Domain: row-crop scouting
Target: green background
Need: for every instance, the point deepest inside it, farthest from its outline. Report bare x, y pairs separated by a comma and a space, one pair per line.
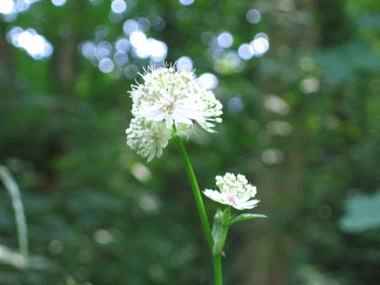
302, 122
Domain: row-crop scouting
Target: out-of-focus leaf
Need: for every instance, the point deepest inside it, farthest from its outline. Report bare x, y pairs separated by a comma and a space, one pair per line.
363, 213
243, 217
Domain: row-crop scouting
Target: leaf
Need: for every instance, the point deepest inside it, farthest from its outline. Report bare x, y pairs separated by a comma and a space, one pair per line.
362, 213
243, 217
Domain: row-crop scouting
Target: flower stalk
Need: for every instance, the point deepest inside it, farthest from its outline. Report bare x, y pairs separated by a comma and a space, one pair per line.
216, 257
196, 191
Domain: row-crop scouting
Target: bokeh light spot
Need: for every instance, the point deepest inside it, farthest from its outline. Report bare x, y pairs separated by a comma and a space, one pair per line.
138, 39
157, 50
106, 65
122, 45
120, 58
208, 81
272, 156
235, 105
58, 2
144, 24
260, 44
130, 26
225, 40
34, 44
118, 6
103, 50
88, 49
186, 2
184, 63
131, 71
158, 24
6, 6
245, 51
253, 16
309, 85
275, 104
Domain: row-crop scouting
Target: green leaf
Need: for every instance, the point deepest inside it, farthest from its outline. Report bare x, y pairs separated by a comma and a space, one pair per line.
362, 213
243, 217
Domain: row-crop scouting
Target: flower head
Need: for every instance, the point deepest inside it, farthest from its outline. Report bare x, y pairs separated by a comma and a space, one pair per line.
175, 98
165, 100
147, 138
234, 191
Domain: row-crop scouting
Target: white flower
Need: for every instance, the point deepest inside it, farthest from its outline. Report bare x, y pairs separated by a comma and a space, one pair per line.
175, 98
147, 138
234, 191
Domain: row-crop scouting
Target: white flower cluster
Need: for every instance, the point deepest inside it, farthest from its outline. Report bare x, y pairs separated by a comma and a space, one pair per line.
234, 191
168, 101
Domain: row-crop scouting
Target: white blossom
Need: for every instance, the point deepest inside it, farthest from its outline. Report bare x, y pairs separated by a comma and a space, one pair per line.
175, 98
147, 138
234, 191
166, 104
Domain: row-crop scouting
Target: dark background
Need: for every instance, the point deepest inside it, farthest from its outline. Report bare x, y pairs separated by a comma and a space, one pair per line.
301, 121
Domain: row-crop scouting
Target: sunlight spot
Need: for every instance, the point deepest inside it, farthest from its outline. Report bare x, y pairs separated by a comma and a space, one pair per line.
272, 156
103, 50
138, 39
253, 16
106, 65
88, 49
260, 44
309, 85
131, 71
245, 51
123, 45
144, 24
148, 203
141, 172
275, 104
103, 236
34, 44
225, 40
186, 2
157, 49
120, 58
7, 6
208, 81
130, 26
235, 105
58, 2
184, 63
118, 6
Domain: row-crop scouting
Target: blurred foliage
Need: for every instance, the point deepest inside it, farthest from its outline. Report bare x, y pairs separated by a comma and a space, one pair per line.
302, 122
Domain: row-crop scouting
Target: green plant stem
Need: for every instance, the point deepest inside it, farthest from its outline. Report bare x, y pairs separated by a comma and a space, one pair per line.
201, 209
217, 259
196, 192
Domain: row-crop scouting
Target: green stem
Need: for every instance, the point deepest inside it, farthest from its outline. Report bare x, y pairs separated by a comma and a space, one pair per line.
201, 209
217, 268
196, 192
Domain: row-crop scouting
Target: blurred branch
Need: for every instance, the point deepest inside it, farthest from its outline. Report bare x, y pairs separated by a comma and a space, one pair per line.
7, 256
18, 208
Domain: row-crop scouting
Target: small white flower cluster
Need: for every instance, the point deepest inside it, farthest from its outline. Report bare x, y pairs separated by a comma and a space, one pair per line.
168, 101
234, 191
